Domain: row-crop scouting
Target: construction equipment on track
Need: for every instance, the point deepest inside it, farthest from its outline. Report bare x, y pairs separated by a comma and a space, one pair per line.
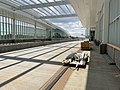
79, 59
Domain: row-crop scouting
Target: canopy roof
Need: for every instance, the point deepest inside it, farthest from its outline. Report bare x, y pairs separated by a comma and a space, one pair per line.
42, 9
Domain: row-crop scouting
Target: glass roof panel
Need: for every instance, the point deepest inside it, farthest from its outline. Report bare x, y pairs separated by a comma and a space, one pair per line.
36, 1
22, 2
52, 8
62, 8
43, 1
33, 12
50, 0
65, 9
58, 8
30, 2
43, 10
71, 9
14, 2
49, 10
58, 0
38, 11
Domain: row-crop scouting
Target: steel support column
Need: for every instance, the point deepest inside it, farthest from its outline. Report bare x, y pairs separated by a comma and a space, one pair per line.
35, 31
13, 29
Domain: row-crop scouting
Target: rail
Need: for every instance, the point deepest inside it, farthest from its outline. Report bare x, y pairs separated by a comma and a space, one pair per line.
58, 80
114, 49
113, 46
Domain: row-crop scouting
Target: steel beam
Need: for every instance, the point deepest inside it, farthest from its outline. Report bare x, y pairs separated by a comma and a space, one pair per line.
42, 5
58, 16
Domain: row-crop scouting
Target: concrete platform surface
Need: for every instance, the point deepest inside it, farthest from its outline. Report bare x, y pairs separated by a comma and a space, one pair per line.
31, 68
98, 75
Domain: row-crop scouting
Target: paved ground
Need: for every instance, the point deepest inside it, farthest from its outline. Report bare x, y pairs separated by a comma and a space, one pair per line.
98, 75
29, 69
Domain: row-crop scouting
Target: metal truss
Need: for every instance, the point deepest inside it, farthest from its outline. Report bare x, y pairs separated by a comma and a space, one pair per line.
43, 9
58, 16
41, 5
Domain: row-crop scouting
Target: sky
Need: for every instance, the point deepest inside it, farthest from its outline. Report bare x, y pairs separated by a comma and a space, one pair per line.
72, 25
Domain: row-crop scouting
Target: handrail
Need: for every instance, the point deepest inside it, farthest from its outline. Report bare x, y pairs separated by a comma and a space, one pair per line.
113, 46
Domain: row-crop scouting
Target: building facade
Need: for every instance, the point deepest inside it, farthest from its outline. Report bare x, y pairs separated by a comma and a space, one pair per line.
104, 16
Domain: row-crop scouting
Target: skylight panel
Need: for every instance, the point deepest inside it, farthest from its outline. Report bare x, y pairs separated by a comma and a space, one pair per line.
52, 8
34, 13
22, 2
61, 6
15, 3
49, 10
44, 8
36, 1
39, 12
58, 0
43, 1
45, 11
59, 9
50, 0
71, 9
30, 2
65, 9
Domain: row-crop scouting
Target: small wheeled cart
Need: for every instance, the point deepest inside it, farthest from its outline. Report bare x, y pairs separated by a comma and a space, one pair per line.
79, 59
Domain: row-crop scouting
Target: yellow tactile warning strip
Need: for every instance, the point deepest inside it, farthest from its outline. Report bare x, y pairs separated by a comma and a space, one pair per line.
63, 80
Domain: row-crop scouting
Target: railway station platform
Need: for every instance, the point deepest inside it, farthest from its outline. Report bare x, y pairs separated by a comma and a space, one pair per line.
35, 39
98, 74
40, 68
